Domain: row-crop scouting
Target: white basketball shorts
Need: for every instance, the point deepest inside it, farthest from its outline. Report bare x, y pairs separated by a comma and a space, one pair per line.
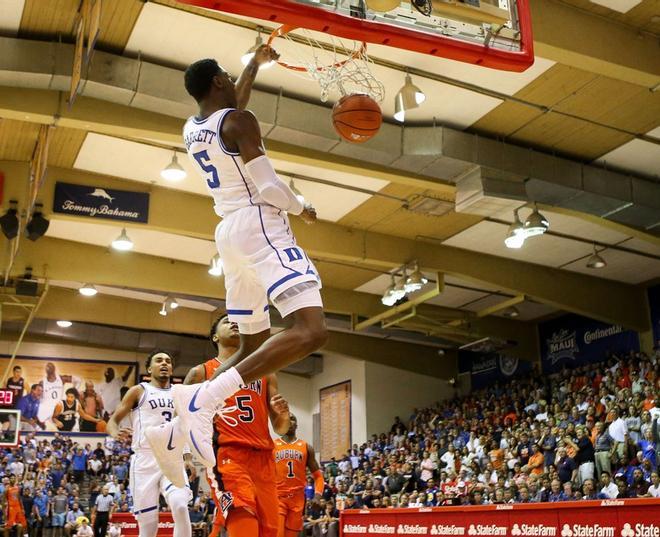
261, 260
147, 483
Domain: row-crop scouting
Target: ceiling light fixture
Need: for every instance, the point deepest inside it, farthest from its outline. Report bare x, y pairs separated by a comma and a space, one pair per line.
215, 266
512, 312
9, 220
245, 59
173, 171
408, 98
64, 324
88, 290
163, 310
171, 303
122, 243
516, 235
38, 224
390, 297
416, 280
536, 223
596, 261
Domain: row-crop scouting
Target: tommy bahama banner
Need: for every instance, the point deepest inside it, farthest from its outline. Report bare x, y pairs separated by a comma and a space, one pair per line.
95, 202
573, 340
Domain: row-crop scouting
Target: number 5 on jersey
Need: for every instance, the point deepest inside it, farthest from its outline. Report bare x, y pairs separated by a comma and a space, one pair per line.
202, 158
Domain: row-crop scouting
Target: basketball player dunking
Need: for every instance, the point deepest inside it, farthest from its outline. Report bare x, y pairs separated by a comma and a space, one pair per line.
261, 259
150, 404
243, 480
293, 457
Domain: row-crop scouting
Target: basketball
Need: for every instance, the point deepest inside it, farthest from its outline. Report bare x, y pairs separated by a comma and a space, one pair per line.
356, 118
100, 426
383, 5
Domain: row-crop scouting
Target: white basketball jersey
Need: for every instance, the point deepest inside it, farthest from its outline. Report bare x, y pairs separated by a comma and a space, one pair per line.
156, 406
222, 170
52, 394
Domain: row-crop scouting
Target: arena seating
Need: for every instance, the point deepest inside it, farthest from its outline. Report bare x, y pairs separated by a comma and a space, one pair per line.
582, 434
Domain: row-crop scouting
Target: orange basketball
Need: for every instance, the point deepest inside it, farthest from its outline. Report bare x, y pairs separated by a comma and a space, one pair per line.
100, 426
356, 117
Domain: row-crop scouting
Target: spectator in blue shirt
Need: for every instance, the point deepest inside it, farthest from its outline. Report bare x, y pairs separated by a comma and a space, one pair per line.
556, 494
40, 510
29, 407
79, 465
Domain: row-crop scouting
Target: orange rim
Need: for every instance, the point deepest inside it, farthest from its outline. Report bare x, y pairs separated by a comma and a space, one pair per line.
285, 29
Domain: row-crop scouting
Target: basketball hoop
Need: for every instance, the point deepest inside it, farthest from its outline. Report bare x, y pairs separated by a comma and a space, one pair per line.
334, 64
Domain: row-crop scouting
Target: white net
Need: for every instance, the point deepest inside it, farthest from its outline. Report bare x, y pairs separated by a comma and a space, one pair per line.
338, 66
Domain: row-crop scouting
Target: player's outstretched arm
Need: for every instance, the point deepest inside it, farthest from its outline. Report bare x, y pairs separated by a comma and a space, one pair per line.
195, 375
317, 474
241, 128
278, 408
129, 402
263, 54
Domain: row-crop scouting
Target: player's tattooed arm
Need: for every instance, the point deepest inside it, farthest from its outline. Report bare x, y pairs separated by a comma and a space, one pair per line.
128, 403
264, 54
195, 375
278, 408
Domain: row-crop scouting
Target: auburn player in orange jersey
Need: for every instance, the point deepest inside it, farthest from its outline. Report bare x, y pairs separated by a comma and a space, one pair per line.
243, 480
14, 515
292, 459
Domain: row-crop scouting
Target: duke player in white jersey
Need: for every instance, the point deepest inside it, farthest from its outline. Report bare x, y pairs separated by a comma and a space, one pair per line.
150, 405
261, 260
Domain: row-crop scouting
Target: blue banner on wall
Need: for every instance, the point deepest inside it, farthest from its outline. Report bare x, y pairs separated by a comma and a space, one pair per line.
487, 368
654, 303
572, 341
94, 202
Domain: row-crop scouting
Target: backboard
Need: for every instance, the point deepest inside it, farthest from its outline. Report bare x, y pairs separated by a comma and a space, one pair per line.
489, 33
9, 427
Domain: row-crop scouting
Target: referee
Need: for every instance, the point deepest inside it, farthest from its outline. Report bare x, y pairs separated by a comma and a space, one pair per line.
102, 512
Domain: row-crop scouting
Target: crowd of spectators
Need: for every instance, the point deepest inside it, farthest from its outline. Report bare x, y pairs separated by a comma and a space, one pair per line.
581, 434
60, 481
586, 433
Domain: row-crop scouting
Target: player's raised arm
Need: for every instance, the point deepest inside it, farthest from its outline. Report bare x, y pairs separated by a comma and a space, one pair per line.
317, 474
263, 54
278, 408
128, 403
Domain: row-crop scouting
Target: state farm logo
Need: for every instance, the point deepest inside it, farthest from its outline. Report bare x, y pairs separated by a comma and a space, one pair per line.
382, 528
355, 528
640, 530
442, 529
591, 530
533, 530
486, 529
412, 529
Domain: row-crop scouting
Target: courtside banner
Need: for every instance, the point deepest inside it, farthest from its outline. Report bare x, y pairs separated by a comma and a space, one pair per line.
95, 202
129, 527
600, 518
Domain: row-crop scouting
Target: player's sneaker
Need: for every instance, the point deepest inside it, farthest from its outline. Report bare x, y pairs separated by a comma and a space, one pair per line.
167, 442
196, 405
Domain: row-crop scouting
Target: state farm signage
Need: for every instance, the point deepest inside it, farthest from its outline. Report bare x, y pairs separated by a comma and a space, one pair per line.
607, 518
